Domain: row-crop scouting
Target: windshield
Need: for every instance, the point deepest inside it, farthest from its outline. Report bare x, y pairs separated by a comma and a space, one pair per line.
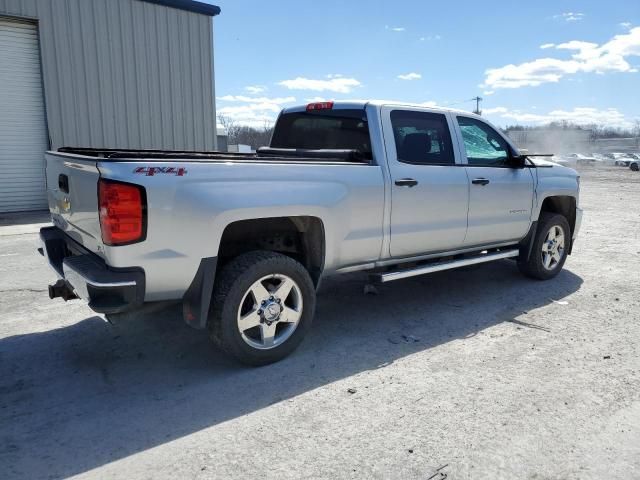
325, 129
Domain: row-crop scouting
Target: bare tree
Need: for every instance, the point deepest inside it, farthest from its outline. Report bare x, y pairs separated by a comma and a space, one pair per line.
232, 128
245, 135
254, 137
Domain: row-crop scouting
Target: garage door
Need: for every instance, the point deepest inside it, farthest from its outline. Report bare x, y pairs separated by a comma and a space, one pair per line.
23, 133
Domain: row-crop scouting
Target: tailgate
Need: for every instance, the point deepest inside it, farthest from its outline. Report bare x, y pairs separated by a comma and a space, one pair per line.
72, 191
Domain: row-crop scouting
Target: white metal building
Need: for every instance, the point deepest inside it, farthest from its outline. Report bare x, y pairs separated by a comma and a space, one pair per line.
101, 74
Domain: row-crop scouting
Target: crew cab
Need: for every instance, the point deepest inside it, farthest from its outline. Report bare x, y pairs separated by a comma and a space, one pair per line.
244, 240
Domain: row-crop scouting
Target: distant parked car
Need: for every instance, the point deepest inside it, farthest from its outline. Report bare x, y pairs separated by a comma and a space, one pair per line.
602, 158
621, 159
579, 159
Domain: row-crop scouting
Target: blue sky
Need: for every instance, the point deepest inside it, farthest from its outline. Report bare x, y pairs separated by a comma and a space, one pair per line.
270, 54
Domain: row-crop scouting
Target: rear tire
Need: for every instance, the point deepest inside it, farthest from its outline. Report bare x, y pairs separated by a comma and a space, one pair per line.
550, 246
262, 307
634, 167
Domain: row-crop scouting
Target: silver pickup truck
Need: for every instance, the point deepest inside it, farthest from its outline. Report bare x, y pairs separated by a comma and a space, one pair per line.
243, 240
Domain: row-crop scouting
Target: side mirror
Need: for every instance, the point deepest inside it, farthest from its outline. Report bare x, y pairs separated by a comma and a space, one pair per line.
517, 161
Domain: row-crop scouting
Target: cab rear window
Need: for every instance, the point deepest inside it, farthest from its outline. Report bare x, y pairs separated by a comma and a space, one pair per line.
324, 129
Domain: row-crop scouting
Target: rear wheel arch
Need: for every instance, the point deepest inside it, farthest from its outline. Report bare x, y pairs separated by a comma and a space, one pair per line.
299, 237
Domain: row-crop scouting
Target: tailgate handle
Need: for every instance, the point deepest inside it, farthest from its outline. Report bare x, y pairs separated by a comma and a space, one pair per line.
63, 183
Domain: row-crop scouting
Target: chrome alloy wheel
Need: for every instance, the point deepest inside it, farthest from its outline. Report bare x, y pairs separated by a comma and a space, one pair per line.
553, 248
270, 311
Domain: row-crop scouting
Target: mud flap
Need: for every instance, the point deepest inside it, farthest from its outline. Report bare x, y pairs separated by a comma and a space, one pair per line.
196, 300
526, 245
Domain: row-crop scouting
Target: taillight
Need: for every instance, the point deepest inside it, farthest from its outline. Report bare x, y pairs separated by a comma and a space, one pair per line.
319, 106
122, 209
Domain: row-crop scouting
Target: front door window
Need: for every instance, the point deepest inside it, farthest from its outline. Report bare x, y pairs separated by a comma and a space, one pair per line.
484, 146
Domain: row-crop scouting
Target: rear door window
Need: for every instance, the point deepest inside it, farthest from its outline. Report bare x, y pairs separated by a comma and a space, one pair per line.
341, 129
422, 138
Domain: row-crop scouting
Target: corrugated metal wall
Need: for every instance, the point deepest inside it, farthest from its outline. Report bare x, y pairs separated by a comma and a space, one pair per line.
23, 130
124, 73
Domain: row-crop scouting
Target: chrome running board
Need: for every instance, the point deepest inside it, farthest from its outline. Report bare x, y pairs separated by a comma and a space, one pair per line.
447, 265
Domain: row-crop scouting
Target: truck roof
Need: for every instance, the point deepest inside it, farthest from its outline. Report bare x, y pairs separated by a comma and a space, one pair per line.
358, 104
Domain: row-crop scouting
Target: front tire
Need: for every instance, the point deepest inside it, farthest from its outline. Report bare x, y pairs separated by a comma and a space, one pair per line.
550, 246
262, 307
634, 167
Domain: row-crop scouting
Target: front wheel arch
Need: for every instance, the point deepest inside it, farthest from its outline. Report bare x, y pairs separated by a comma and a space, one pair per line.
564, 205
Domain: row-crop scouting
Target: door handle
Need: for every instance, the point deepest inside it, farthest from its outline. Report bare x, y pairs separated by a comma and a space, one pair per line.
406, 182
480, 181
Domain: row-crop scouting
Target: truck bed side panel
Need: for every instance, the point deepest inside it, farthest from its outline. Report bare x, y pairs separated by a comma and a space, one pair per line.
188, 213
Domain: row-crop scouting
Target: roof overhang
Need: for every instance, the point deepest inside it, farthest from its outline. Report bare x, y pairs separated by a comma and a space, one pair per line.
189, 5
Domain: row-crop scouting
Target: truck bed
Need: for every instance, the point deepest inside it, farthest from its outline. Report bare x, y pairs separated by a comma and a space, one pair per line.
264, 155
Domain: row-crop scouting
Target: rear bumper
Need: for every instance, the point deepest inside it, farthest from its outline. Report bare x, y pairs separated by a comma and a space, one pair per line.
107, 290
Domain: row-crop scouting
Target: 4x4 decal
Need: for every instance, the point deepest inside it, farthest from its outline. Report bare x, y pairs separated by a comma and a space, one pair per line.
151, 171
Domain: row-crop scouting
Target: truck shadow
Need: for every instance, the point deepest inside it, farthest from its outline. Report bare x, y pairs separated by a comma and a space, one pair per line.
85, 395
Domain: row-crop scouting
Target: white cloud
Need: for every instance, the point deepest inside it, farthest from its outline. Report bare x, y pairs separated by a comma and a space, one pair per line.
537, 72
334, 84
244, 99
394, 29
431, 37
610, 117
579, 46
255, 89
569, 16
317, 99
239, 110
248, 115
410, 76
588, 57
358, 100
252, 111
547, 45
394, 102
494, 111
626, 25
488, 92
